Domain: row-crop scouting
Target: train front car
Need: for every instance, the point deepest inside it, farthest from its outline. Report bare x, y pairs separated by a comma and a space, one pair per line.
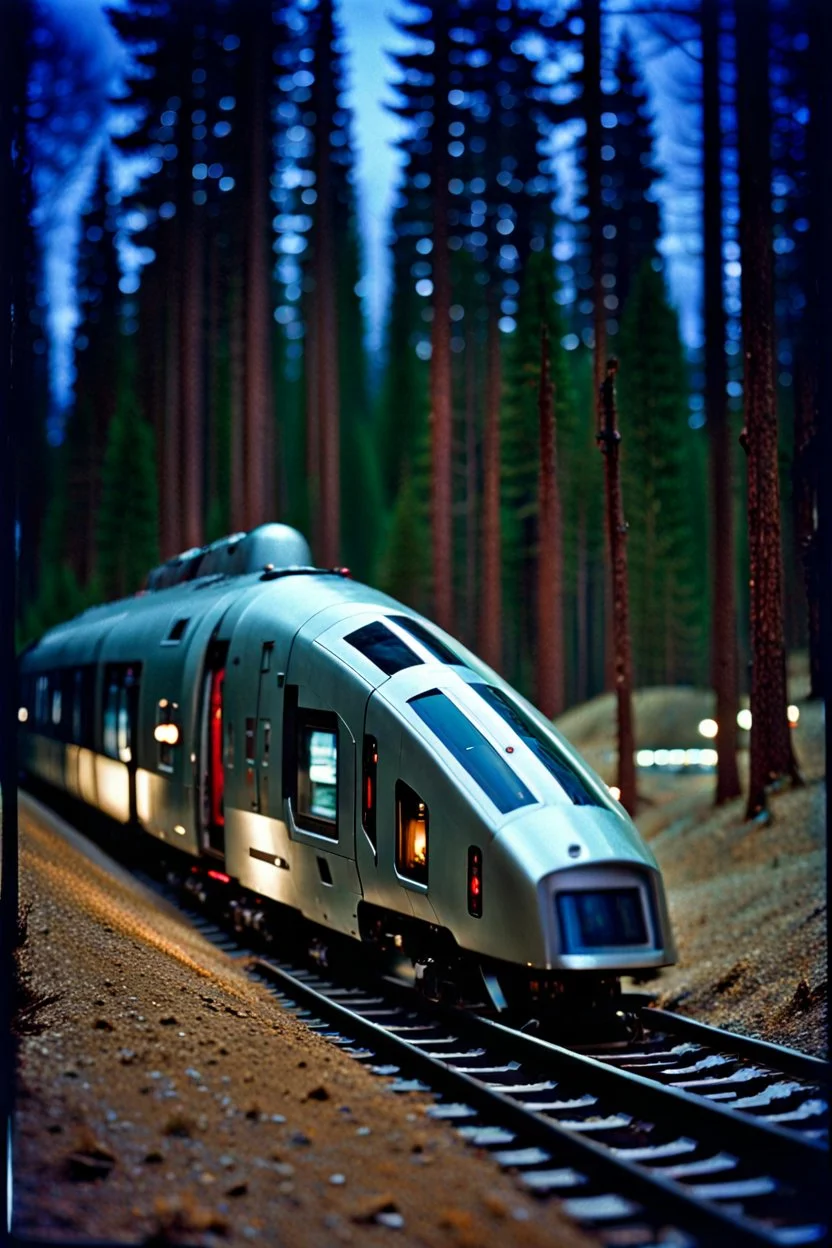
505, 839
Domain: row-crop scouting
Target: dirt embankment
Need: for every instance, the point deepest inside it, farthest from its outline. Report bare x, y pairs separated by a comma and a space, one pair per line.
169, 1096
747, 900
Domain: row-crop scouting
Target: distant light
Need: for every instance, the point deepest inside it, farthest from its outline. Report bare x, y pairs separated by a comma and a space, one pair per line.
506, 324
644, 758
227, 103
570, 342
424, 287
226, 184
23, 714
708, 758
708, 728
166, 211
616, 792
744, 719
200, 171
793, 713
677, 758
661, 758
230, 43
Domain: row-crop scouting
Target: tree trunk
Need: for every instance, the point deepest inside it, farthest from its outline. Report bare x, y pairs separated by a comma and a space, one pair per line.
550, 683
592, 107
491, 597
771, 753
819, 320
805, 489
191, 347
441, 416
260, 502
326, 319
236, 351
169, 492
724, 657
610, 441
471, 610
582, 620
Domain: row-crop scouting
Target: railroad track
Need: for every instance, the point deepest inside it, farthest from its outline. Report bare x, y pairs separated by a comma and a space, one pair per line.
621, 1136
641, 1162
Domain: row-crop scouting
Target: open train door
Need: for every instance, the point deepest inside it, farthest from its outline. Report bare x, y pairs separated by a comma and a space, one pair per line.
211, 786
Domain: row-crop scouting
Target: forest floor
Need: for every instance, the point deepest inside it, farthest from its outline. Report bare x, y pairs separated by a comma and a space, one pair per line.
168, 1098
747, 900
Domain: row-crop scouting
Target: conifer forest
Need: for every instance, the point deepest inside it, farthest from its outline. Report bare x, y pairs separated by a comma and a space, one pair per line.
531, 445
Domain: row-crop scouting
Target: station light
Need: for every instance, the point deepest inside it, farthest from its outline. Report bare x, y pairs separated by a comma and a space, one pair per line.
744, 719
23, 714
708, 728
793, 713
644, 758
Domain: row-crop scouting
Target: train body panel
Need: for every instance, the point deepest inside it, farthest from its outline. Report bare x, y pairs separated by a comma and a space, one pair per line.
336, 753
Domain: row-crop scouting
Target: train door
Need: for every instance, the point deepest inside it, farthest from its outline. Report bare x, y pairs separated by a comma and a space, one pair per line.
211, 789
323, 720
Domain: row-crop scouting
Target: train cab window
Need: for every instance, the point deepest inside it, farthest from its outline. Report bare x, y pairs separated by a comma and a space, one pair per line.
545, 748
317, 772
368, 789
411, 834
469, 747
426, 638
381, 646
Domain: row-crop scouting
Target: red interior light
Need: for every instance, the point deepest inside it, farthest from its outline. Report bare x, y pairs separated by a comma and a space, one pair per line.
475, 882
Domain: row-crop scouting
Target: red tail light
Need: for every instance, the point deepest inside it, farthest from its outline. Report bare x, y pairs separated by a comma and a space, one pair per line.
475, 882
219, 876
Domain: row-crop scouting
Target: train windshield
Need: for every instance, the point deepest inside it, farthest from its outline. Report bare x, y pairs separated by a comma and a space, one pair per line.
470, 748
542, 746
425, 637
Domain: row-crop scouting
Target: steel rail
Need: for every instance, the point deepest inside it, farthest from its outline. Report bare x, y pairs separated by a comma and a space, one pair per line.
778, 1057
659, 1194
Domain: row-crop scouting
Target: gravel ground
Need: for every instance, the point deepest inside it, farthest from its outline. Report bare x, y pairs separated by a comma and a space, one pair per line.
169, 1098
747, 901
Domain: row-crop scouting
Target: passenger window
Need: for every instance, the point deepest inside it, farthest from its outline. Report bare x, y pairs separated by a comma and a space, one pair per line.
249, 742
381, 646
177, 632
411, 834
469, 747
317, 772
111, 721
368, 789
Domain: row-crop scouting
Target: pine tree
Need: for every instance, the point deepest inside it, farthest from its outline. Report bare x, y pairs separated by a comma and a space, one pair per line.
667, 586
96, 346
771, 752
630, 210
724, 656
127, 530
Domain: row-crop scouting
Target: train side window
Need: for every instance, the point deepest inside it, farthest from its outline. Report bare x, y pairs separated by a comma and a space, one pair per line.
368, 789
166, 732
250, 742
317, 772
411, 834
77, 705
111, 700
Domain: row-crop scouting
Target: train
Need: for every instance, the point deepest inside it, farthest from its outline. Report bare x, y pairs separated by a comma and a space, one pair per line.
348, 766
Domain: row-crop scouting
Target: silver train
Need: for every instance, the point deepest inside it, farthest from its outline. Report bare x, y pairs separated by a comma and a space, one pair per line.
326, 748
